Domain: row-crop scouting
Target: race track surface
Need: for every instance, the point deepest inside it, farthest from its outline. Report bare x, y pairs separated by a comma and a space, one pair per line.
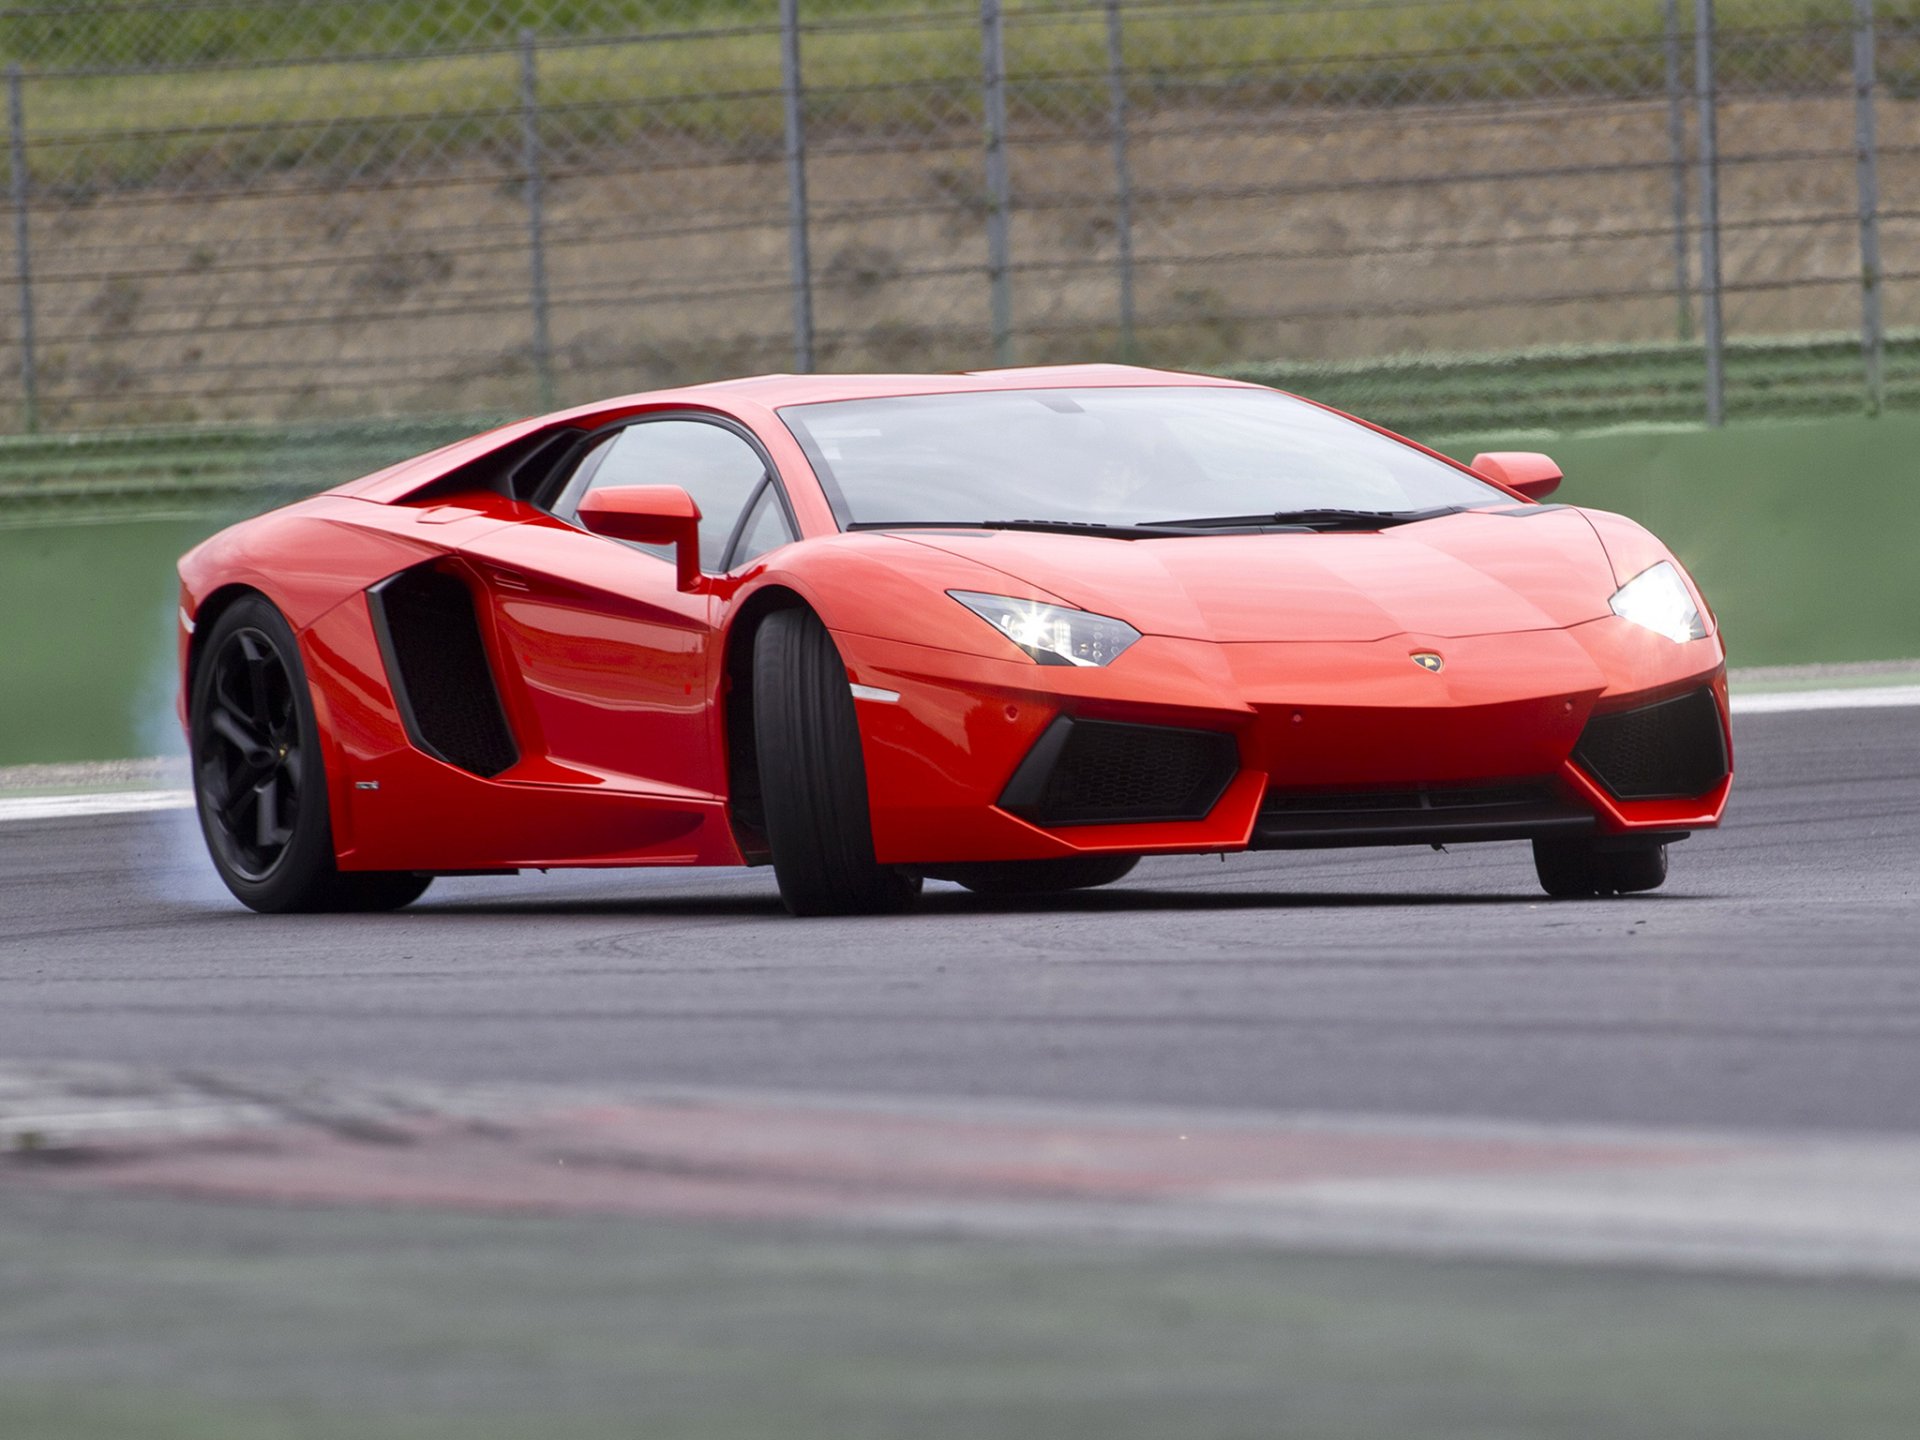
1774, 984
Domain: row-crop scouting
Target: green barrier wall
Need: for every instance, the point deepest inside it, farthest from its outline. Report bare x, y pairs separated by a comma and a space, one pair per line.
85, 665
1805, 534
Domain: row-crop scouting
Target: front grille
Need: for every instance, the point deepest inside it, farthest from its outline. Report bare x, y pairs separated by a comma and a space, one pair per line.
1094, 772
1417, 815
1673, 750
1424, 798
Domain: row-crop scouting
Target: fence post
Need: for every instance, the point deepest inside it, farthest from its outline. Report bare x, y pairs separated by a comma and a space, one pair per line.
1873, 340
1710, 317
17, 128
799, 250
993, 57
1677, 152
536, 217
1122, 172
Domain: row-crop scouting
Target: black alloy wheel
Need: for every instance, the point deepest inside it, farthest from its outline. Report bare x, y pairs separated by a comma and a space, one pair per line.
259, 782
251, 761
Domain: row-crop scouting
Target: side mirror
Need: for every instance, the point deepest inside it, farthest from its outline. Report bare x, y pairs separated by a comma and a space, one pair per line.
1531, 473
648, 515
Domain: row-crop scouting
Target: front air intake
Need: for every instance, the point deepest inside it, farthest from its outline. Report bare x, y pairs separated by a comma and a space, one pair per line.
437, 665
1529, 809
1673, 750
1097, 772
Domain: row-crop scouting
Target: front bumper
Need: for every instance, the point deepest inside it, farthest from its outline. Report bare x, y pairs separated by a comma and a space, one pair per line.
1483, 749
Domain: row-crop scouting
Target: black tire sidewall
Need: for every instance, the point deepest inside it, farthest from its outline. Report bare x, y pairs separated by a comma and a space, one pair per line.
813, 775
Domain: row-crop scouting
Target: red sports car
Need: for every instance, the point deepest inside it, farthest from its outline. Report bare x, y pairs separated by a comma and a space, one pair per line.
1014, 629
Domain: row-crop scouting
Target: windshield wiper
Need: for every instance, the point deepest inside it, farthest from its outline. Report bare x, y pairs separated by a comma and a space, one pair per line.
1313, 520
1308, 519
1057, 527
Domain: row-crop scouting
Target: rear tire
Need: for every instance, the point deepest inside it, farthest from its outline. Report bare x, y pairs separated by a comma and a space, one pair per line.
259, 783
1575, 869
1038, 877
813, 776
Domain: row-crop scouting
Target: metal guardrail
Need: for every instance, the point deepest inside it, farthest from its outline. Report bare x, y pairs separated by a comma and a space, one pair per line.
1551, 389
215, 472
198, 472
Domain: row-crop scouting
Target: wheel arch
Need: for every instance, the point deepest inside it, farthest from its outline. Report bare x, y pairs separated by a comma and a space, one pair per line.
206, 616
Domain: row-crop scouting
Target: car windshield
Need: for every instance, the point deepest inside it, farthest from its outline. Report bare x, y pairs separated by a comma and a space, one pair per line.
1130, 456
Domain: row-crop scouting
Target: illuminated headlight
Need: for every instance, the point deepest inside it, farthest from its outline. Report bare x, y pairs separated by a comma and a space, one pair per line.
1052, 634
1657, 598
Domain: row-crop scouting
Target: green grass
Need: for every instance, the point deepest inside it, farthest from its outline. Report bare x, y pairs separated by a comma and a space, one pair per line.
709, 72
161, 32
167, 1320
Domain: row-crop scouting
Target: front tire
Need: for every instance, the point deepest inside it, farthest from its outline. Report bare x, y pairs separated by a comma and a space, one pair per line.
813, 776
259, 784
1575, 869
1038, 877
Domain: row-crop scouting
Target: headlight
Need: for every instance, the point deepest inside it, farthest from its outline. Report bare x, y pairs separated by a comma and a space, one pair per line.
1052, 634
1657, 598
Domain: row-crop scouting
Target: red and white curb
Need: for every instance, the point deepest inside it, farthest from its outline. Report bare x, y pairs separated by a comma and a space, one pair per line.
1753, 1203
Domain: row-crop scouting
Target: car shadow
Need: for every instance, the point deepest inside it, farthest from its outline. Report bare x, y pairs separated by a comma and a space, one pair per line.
959, 904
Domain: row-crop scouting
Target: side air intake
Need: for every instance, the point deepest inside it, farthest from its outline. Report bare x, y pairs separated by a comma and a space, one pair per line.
1674, 750
437, 665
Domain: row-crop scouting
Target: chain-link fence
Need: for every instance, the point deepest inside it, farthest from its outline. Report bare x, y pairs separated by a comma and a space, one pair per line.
296, 211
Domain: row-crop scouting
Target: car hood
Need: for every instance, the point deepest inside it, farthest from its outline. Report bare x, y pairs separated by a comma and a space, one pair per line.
1475, 573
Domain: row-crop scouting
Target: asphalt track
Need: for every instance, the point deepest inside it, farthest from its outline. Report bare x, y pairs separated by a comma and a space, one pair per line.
1774, 984
1346, 1145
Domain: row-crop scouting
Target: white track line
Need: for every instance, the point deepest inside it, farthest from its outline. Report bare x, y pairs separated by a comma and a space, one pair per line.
1863, 698
131, 802
65, 807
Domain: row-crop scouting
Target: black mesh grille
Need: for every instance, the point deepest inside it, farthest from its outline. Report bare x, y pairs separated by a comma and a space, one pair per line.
438, 666
1091, 772
1417, 815
1425, 799
1672, 750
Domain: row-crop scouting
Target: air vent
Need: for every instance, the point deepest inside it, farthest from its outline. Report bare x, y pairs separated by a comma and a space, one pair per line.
1674, 750
1417, 815
437, 664
1095, 772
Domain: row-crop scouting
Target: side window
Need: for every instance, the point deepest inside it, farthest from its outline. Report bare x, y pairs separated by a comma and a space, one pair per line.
766, 529
709, 462
567, 503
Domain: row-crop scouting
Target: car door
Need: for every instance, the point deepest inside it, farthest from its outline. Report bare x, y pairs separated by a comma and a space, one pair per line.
611, 662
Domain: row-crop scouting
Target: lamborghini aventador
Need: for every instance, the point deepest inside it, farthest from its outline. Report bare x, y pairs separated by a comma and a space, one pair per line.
1013, 629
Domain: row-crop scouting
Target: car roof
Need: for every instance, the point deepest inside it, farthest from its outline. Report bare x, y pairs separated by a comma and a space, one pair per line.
764, 392
774, 391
